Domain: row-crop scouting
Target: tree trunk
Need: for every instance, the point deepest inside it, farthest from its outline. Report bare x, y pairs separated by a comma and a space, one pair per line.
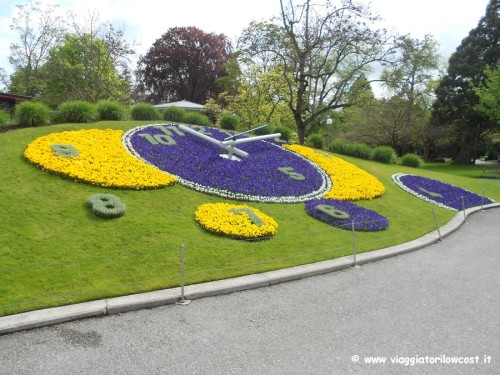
465, 156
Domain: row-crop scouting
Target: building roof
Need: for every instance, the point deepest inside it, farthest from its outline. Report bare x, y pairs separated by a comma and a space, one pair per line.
183, 104
5, 97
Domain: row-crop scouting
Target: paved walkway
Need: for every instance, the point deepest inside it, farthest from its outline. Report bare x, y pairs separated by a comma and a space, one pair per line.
438, 304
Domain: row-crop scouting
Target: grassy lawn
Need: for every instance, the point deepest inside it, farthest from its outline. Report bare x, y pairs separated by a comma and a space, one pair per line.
472, 171
53, 251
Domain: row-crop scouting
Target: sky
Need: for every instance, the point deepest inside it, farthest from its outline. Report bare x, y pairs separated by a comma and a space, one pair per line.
144, 21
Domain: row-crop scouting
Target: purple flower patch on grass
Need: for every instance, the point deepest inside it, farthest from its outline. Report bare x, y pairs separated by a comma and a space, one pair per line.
342, 214
439, 193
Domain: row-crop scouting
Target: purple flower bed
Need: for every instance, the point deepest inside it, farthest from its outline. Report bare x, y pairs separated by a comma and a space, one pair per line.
364, 219
439, 193
198, 164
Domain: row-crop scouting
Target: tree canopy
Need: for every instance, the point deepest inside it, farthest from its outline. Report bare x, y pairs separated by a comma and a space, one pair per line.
82, 69
454, 111
184, 64
489, 95
321, 50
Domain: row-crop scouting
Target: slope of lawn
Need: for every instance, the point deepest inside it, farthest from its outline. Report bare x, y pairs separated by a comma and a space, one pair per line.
53, 251
472, 171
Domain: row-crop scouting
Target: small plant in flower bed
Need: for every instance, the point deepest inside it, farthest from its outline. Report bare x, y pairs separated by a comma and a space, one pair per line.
107, 206
236, 221
342, 214
439, 193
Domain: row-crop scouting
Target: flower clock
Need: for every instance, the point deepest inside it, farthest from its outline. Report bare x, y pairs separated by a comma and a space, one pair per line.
213, 161
439, 193
203, 159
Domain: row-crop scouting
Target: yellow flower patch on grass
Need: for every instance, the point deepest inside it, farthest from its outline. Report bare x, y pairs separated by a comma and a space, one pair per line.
101, 159
350, 183
235, 221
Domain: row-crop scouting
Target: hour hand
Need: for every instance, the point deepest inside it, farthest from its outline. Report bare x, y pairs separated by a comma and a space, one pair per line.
230, 148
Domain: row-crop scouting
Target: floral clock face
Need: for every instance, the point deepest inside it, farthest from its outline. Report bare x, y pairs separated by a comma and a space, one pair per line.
268, 173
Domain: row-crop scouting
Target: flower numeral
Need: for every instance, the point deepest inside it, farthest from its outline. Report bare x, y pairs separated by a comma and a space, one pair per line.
332, 211
290, 173
66, 151
251, 215
431, 193
106, 205
158, 139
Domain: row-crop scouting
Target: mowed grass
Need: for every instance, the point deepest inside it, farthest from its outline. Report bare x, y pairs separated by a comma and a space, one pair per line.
53, 251
472, 171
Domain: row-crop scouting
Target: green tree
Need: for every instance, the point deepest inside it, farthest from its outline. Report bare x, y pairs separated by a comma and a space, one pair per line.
185, 63
39, 29
455, 110
259, 100
489, 95
82, 68
321, 51
409, 82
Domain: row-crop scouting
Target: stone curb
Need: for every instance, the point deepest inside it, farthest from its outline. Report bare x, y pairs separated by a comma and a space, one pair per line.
56, 315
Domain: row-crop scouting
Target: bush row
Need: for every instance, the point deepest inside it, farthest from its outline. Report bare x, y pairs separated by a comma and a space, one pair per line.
383, 154
38, 114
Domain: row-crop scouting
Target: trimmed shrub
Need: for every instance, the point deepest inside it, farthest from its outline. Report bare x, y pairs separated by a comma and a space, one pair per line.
228, 121
315, 141
112, 111
78, 111
411, 160
384, 154
32, 114
196, 118
144, 111
263, 131
174, 113
4, 117
286, 133
358, 150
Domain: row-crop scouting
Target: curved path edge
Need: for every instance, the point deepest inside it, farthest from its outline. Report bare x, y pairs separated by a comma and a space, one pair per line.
109, 306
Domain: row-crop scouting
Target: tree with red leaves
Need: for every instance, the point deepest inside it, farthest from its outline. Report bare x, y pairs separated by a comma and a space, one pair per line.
184, 64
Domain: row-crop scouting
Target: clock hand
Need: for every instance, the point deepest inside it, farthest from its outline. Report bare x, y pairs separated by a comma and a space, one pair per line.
229, 148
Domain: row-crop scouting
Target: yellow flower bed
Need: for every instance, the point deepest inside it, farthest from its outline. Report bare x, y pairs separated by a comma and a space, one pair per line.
235, 221
350, 183
101, 160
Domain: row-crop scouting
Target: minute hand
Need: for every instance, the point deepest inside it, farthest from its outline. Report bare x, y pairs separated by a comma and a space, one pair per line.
214, 141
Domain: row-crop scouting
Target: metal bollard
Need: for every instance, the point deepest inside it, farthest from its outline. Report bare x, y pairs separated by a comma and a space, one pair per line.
182, 301
437, 224
463, 207
354, 265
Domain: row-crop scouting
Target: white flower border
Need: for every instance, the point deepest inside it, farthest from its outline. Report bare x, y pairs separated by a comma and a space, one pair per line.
326, 183
397, 180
